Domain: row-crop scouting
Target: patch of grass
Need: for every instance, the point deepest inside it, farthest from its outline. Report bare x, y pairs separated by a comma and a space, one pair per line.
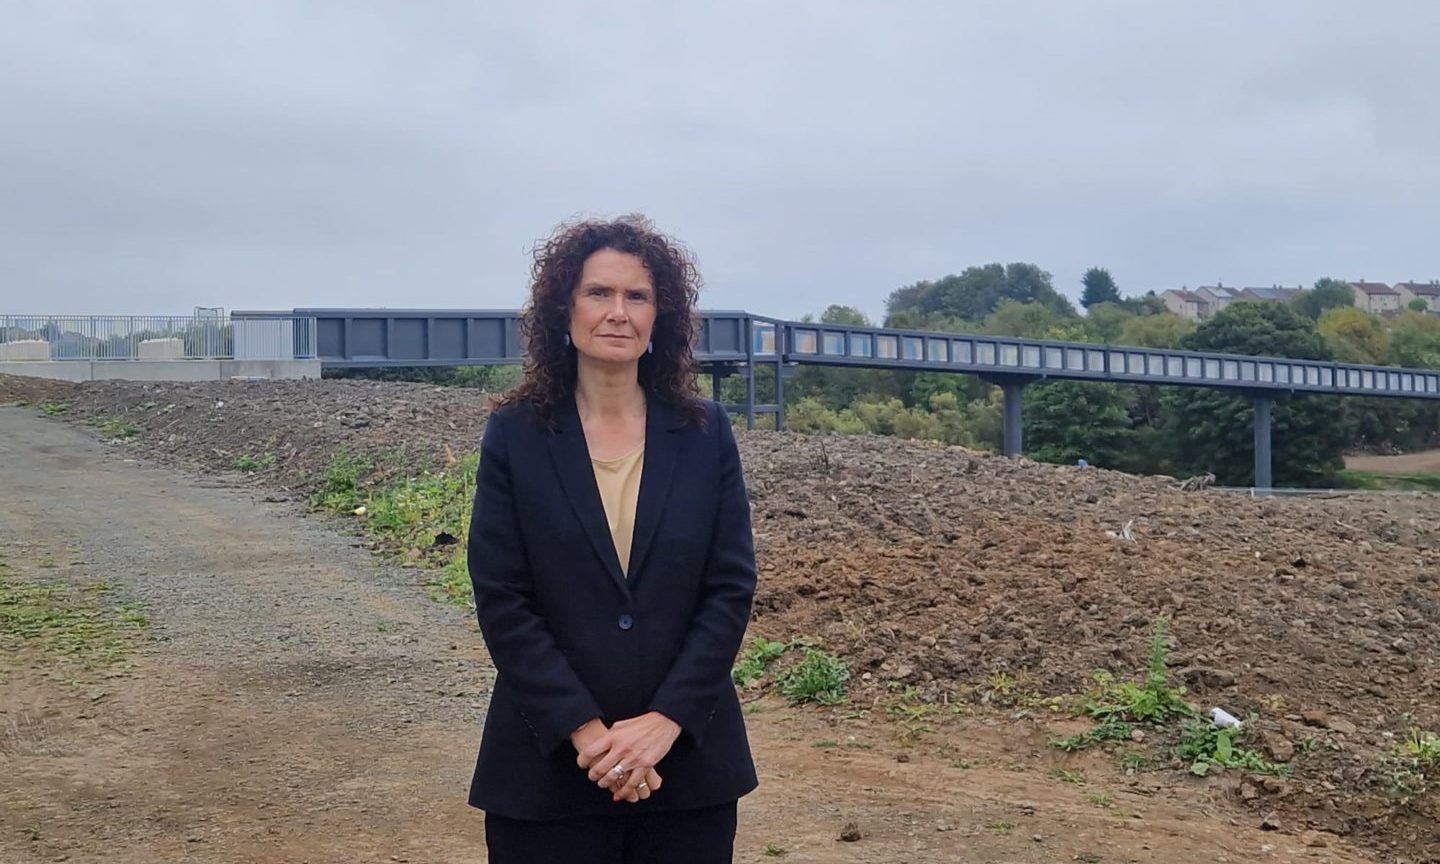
414, 511
774, 851
962, 763
64, 622
818, 677
115, 427
911, 706
1414, 767
1101, 799
859, 745
53, 409
1134, 759
1422, 482
1110, 730
249, 464
1076, 777
452, 584
826, 743
340, 490
1000, 826
753, 661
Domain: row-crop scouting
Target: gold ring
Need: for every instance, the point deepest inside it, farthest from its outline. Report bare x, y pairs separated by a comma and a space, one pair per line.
643, 785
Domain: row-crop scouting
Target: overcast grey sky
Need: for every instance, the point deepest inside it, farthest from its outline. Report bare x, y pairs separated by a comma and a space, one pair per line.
160, 154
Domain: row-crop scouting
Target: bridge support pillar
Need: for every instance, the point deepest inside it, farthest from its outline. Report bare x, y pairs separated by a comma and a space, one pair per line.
779, 394
1262, 443
1013, 436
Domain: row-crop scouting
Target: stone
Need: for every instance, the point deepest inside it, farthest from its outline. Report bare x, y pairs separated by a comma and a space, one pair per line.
850, 833
1281, 748
1314, 839
1344, 727
1248, 792
1271, 823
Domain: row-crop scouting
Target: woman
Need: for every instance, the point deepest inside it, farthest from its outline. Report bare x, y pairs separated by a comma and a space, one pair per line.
614, 568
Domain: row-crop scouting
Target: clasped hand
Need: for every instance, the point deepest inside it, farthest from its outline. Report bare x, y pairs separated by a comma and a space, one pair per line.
636, 746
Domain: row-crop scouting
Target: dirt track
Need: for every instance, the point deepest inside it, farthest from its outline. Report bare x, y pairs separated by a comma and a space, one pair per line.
1406, 463
302, 703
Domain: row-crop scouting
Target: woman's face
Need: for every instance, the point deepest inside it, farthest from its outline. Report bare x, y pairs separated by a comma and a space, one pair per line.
613, 308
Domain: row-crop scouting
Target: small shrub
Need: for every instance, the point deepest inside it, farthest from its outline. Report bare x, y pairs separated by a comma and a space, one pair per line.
818, 677
53, 409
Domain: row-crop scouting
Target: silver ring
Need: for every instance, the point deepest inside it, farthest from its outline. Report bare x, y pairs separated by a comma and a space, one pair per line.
618, 771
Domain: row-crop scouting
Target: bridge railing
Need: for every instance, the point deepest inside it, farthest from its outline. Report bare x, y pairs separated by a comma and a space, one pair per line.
157, 337
841, 345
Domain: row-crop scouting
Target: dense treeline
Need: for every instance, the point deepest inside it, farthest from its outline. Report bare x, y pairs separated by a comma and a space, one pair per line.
1137, 428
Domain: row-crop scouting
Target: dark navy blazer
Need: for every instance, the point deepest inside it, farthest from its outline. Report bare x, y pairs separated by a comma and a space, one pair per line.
572, 638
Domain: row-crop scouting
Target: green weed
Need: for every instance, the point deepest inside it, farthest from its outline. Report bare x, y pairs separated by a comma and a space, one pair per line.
1110, 730
53, 409
1204, 746
1076, 777
754, 660
115, 427
340, 490
1155, 701
249, 464
818, 677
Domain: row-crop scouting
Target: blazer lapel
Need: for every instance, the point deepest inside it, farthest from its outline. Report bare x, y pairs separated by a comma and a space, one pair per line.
577, 477
662, 445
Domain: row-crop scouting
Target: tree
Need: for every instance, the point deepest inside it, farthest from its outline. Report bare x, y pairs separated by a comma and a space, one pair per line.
1104, 322
1070, 420
847, 315
1212, 430
1099, 288
1354, 335
1156, 331
1328, 294
1418, 305
1030, 321
976, 292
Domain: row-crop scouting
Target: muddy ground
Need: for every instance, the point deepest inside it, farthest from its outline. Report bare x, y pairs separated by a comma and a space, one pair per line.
984, 586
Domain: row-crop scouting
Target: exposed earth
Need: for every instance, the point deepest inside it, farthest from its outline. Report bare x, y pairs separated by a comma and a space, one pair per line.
296, 698
1423, 462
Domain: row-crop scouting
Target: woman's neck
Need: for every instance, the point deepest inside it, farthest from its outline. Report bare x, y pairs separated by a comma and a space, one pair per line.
603, 392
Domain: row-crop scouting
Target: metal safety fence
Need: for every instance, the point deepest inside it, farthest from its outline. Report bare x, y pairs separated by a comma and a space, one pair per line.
156, 337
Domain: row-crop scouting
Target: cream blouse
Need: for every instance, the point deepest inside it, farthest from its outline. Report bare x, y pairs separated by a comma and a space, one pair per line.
619, 483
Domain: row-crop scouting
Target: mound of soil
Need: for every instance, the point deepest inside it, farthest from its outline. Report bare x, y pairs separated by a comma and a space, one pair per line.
935, 567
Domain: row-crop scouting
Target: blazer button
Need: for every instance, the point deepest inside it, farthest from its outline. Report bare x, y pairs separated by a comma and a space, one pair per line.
626, 622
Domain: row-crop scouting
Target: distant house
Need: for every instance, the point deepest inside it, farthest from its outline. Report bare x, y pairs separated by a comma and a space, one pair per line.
1186, 304
1216, 297
1275, 293
1427, 291
1377, 298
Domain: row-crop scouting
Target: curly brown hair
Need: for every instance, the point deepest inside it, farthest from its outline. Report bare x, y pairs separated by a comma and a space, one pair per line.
667, 373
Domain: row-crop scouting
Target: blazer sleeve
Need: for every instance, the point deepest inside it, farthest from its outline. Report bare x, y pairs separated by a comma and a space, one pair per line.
701, 671
551, 697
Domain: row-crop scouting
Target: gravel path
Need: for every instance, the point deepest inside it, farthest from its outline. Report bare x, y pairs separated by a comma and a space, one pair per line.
283, 655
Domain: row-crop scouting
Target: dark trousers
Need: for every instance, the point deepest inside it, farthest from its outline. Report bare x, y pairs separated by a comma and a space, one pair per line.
704, 836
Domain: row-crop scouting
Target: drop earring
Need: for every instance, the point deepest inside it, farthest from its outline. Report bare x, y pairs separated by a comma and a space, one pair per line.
566, 337
650, 347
